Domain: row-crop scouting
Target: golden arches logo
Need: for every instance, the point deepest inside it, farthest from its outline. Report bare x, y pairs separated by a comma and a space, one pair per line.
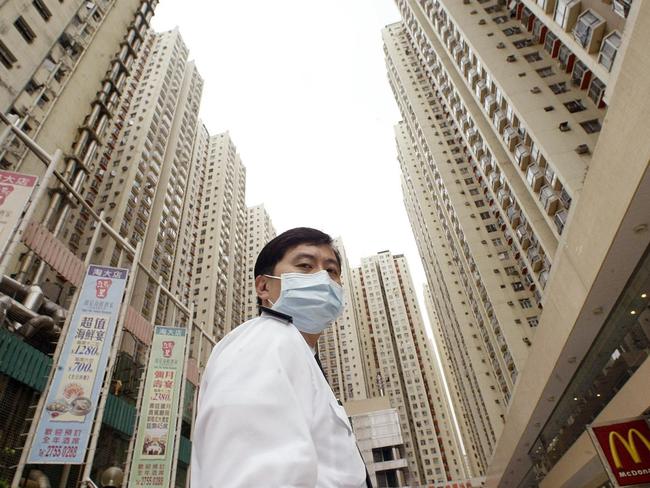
629, 445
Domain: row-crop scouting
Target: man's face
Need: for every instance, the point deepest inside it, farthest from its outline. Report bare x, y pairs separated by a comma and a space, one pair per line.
304, 258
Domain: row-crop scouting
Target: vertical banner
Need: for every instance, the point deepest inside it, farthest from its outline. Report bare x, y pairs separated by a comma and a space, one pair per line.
15, 190
65, 424
624, 450
154, 446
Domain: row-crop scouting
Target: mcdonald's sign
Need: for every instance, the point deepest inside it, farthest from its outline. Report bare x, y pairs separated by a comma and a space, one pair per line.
624, 449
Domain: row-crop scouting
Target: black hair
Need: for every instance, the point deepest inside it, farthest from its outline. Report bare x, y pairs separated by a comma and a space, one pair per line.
274, 250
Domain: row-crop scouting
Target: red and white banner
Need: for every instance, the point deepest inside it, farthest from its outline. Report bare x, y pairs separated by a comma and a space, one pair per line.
15, 190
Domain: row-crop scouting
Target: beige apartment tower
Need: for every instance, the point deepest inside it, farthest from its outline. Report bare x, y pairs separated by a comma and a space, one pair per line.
379, 350
525, 177
259, 231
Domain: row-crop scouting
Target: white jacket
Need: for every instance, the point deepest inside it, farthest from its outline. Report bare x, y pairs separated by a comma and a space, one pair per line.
267, 417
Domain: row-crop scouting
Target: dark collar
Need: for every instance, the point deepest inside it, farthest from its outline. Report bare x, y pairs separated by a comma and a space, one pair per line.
276, 314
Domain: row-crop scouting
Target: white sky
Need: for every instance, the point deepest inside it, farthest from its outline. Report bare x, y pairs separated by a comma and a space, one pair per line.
301, 86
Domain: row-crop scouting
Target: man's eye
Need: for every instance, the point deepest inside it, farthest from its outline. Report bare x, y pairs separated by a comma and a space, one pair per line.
304, 265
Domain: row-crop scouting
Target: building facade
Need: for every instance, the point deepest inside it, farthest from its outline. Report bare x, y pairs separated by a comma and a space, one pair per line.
219, 270
379, 350
510, 111
259, 231
122, 102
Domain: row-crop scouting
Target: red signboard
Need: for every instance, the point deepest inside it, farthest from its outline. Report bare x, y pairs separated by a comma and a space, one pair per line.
624, 448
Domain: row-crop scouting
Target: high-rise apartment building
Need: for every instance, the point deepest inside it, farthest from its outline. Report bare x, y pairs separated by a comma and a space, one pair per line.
523, 175
219, 270
340, 349
143, 160
145, 184
259, 231
63, 66
379, 349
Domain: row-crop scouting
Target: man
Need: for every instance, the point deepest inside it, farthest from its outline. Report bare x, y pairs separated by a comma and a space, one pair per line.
266, 415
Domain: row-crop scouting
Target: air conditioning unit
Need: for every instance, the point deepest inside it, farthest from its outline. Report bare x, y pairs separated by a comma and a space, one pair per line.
597, 92
566, 13
589, 30
546, 5
608, 49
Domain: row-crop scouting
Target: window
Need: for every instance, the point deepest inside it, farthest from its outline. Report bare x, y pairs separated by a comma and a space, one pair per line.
512, 31
564, 11
497, 242
503, 255
533, 321
545, 72
479, 203
491, 228
511, 271
518, 286
42, 9
522, 43
6, 56
575, 106
485, 215
525, 303
533, 57
25, 30
591, 126
559, 88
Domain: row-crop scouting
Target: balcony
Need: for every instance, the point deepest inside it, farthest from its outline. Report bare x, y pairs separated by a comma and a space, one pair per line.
481, 90
522, 156
514, 216
523, 237
559, 219
566, 13
504, 199
500, 121
534, 258
511, 137
486, 165
535, 177
495, 181
549, 199
589, 30
611, 45
490, 104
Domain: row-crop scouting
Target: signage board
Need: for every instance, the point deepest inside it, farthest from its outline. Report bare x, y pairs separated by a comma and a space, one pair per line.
15, 190
153, 456
66, 421
624, 450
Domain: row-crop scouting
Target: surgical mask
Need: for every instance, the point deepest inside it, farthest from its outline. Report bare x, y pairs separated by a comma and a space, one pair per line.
313, 300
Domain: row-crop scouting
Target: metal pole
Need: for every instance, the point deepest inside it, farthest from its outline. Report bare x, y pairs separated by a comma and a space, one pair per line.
138, 403
41, 187
179, 418
55, 360
195, 401
117, 340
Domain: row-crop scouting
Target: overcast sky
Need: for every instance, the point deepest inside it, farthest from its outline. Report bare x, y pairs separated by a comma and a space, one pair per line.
301, 86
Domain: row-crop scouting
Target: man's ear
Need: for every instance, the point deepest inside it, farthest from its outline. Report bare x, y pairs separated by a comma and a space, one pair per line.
262, 287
